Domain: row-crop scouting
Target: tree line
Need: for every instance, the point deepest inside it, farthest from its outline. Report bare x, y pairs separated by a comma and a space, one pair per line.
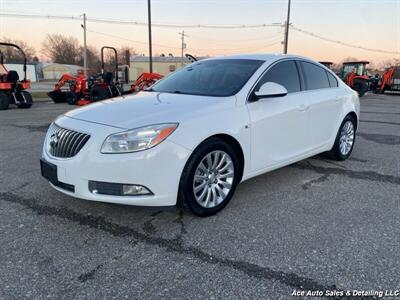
65, 50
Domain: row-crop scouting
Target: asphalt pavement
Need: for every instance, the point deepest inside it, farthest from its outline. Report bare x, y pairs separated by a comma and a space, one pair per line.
315, 225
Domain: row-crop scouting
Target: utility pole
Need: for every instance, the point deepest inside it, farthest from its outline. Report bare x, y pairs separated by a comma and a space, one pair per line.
287, 23
183, 45
150, 43
85, 66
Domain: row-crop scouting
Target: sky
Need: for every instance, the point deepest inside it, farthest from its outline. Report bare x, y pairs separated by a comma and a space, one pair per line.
368, 23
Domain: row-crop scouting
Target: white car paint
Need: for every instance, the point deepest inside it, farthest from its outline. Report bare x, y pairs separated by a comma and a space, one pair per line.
272, 133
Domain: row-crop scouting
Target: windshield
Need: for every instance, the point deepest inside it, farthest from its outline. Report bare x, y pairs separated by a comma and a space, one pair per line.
219, 78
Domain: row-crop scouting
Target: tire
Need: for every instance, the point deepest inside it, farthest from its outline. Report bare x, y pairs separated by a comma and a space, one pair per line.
360, 87
71, 98
98, 93
213, 192
337, 152
118, 91
4, 101
25, 96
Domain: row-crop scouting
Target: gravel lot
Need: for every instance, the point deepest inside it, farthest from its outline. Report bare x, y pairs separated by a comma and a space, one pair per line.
316, 225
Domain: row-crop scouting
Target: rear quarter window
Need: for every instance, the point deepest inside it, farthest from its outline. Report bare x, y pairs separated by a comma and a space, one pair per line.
332, 80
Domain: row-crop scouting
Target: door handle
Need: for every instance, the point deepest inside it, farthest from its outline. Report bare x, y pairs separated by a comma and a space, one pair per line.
303, 107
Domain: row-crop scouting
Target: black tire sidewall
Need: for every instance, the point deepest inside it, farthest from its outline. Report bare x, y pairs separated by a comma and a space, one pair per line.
28, 98
362, 87
186, 196
4, 101
99, 93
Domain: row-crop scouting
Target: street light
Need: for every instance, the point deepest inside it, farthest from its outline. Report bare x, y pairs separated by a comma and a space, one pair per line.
150, 46
285, 48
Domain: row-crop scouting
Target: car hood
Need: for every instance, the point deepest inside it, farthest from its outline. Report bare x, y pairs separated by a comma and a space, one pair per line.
147, 108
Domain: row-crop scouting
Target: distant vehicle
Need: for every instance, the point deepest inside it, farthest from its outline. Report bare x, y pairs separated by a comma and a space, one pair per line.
390, 80
327, 64
197, 133
12, 89
355, 75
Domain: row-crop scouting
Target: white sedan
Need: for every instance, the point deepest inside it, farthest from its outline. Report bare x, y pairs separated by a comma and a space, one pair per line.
196, 134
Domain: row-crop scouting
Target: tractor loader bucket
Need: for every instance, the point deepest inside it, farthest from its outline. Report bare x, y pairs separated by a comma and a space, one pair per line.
58, 96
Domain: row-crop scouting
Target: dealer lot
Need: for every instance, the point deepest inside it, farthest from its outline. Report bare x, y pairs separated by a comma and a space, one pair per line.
314, 225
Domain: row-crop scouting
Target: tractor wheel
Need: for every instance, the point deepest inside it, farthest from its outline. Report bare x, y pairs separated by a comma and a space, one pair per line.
98, 93
25, 98
119, 91
4, 102
71, 98
360, 87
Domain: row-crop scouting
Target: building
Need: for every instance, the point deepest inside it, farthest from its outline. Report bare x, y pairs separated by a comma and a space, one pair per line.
161, 64
31, 73
53, 71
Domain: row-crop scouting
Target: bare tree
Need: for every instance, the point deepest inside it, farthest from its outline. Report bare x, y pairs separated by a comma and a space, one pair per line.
12, 55
93, 57
62, 49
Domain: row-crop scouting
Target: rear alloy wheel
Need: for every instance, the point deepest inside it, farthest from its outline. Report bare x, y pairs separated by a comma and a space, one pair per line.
210, 178
4, 102
345, 139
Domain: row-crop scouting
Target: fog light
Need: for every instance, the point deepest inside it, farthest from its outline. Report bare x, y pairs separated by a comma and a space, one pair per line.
118, 189
132, 189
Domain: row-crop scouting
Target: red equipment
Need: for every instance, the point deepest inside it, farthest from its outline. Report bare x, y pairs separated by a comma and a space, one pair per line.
82, 90
144, 81
77, 88
355, 75
13, 90
390, 80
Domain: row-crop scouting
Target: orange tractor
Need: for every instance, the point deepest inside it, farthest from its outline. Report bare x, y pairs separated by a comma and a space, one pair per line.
355, 75
390, 80
82, 90
327, 64
12, 89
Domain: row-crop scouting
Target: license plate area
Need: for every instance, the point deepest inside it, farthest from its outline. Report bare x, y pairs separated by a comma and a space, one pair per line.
49, 171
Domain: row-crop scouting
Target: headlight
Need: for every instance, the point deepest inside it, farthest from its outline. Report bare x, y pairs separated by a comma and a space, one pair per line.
138, 139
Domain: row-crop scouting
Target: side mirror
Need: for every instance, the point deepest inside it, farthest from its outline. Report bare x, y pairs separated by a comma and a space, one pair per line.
271, 89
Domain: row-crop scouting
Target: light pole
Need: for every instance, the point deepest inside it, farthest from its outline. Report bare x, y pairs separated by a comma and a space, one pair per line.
287, 23
85, 66
183, 46
150, 45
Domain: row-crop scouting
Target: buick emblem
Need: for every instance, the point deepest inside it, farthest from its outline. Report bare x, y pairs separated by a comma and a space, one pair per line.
54, 140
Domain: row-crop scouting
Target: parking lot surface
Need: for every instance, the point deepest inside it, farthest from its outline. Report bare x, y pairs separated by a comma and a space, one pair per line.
314, 225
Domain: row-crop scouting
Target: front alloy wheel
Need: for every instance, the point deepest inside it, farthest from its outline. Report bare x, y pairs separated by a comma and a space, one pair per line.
213, 179
210, 177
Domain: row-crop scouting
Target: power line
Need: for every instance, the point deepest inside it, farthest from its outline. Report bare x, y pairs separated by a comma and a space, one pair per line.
130, 40
137, 23
172, 47
225, 42
342, 43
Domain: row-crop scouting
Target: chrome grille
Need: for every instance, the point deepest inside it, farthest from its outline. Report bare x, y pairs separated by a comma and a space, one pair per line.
64, 142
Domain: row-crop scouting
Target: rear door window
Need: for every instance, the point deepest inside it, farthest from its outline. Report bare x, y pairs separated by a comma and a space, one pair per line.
315, 76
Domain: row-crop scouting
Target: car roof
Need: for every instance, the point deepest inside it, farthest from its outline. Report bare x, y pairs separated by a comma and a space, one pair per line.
260, 56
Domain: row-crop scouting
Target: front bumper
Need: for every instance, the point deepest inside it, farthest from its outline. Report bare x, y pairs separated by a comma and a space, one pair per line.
158, 169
